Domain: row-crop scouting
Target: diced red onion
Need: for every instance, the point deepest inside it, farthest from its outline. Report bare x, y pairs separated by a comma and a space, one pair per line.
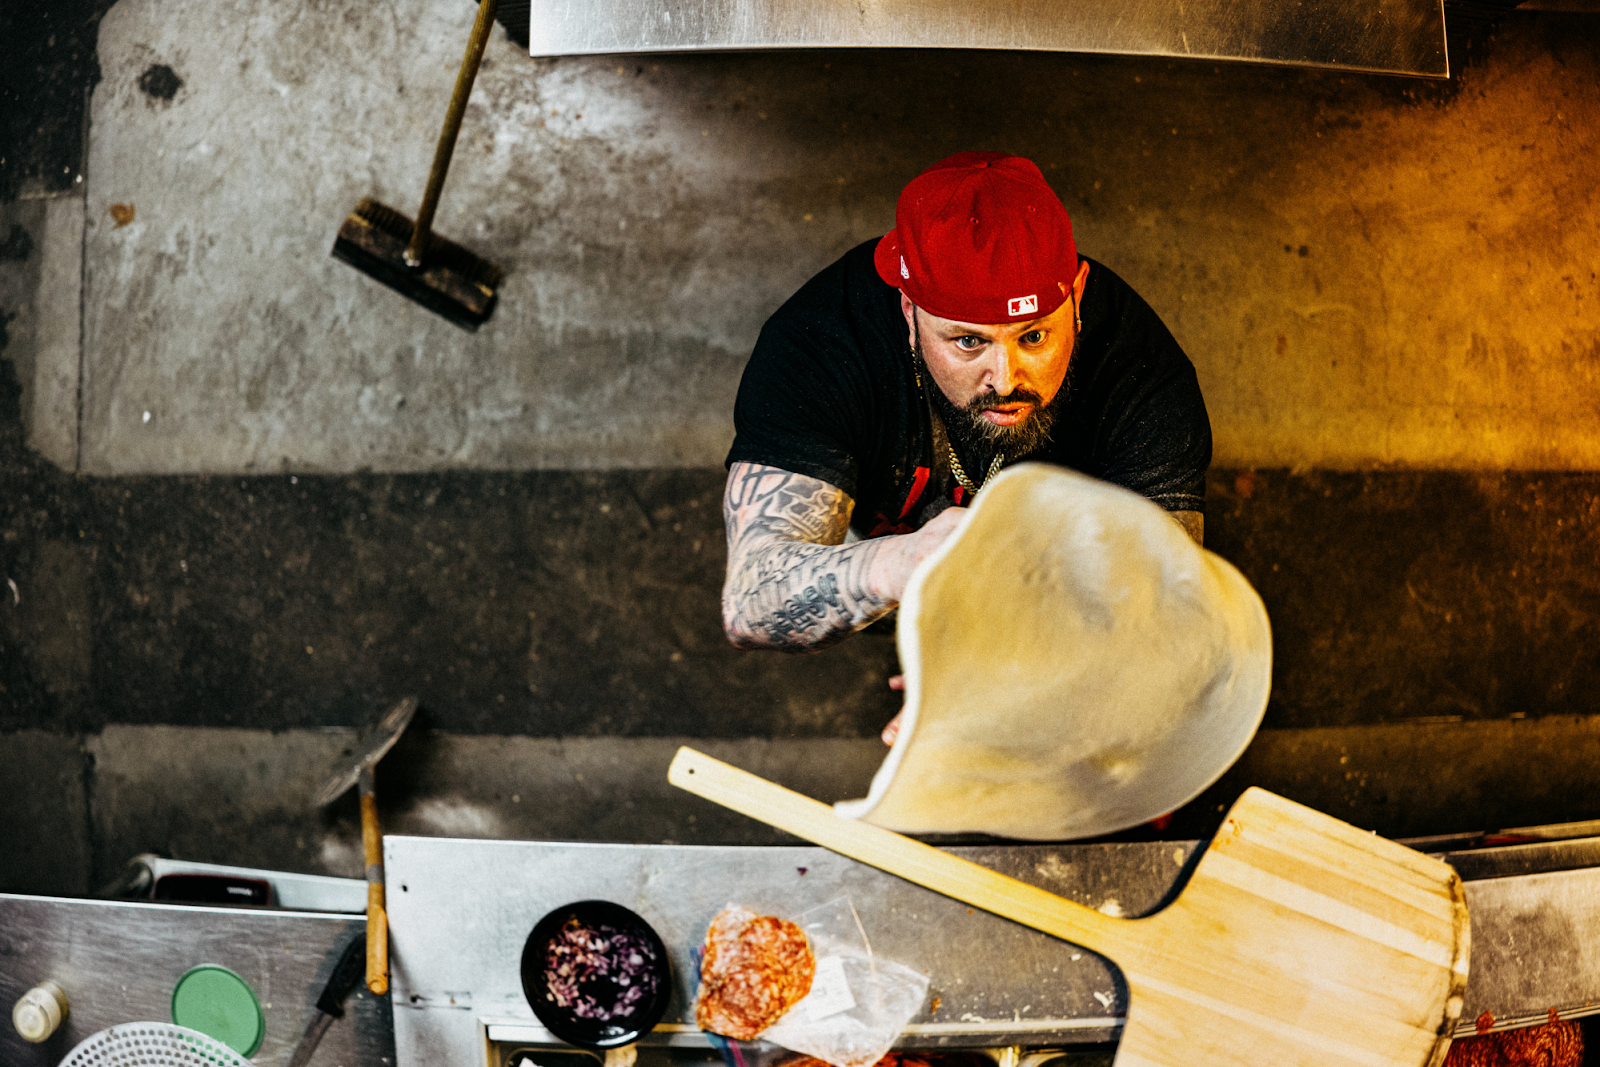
600, 973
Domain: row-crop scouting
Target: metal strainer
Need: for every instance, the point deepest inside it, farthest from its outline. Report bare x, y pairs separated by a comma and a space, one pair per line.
152, 1045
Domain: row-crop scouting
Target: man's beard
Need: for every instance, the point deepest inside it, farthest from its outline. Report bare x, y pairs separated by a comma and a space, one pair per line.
977, 436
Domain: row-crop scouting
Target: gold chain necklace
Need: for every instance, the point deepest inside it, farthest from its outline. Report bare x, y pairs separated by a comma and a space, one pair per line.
961, 475
955, 464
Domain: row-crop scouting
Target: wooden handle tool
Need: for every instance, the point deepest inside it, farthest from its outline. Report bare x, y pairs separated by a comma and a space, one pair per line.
360, 773
1298, 941
377, 917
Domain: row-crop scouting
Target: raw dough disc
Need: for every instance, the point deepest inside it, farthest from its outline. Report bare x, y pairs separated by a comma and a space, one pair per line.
1075, 665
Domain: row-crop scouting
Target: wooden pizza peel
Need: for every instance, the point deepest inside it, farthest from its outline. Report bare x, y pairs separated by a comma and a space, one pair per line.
1299, 940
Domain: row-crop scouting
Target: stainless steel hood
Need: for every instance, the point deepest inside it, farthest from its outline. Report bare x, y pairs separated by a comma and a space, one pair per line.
1382, 36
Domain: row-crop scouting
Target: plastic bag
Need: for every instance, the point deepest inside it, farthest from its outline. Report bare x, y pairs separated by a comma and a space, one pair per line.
857, 1006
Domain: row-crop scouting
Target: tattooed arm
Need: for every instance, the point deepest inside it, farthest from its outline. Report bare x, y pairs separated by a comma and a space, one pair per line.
792, 584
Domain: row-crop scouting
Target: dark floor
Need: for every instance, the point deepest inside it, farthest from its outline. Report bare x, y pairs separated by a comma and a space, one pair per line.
586, 604
1418, 617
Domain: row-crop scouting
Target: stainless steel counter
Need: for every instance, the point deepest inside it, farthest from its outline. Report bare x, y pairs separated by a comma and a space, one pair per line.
461, 910
118, 962
1534, 948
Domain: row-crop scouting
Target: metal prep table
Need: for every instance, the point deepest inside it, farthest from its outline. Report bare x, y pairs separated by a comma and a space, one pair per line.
460, 911
119, 960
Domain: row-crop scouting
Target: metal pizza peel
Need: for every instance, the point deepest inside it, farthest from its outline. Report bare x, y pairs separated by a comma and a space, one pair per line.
372, 749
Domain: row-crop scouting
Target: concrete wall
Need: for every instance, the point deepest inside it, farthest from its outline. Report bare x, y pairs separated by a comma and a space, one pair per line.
1366, 271
41, 316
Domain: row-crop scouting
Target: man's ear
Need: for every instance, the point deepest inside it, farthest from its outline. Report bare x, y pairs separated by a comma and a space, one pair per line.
1080, 281
909, 310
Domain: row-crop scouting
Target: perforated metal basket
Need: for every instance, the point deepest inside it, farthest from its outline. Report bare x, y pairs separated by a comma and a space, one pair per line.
152, 1045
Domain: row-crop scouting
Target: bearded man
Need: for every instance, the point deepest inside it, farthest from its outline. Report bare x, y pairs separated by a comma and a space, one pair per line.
897, 382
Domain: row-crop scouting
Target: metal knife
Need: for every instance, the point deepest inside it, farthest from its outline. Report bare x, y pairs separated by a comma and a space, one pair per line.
330, 1006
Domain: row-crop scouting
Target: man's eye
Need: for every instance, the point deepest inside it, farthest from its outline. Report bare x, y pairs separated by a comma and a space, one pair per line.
1033, 337
969, 343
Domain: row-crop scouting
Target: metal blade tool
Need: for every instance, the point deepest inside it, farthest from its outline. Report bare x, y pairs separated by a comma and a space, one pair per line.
373, 749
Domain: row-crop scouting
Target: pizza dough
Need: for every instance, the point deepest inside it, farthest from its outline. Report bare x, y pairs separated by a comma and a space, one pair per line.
1075, 665
756, 967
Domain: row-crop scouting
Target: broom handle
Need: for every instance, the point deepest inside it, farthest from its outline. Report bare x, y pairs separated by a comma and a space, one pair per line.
886, 850
452, 127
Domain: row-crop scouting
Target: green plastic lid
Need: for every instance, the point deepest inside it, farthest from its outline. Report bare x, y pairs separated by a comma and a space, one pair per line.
221, 1005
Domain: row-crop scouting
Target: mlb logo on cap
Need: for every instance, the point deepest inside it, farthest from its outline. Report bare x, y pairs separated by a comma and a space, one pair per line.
1023, 305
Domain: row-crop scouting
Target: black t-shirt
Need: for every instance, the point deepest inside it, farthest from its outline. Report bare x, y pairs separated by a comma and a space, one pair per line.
831, 392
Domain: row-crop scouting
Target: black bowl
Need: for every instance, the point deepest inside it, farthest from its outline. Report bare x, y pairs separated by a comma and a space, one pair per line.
564, 1022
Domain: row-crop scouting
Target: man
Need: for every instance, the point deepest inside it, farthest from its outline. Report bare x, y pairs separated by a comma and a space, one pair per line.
898, 381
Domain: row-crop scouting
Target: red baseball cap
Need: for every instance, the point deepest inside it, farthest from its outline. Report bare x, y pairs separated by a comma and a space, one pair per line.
980, 237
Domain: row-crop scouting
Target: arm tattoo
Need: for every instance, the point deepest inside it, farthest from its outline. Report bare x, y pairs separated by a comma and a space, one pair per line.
791, 582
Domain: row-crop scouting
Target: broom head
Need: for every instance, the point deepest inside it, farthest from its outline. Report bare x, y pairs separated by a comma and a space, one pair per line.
451, 281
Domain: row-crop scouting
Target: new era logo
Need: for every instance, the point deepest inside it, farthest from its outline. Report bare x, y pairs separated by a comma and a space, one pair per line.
1023, 305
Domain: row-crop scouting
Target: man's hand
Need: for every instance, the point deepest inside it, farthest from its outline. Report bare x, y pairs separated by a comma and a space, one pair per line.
891, 732
792, 584
905, 552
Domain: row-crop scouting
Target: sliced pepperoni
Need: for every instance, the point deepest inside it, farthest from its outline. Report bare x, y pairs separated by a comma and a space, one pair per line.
756, 967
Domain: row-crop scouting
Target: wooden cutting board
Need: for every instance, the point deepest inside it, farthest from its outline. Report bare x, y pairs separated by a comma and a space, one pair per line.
1298, 939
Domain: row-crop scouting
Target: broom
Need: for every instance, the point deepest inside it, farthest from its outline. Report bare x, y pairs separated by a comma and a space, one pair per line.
409, 258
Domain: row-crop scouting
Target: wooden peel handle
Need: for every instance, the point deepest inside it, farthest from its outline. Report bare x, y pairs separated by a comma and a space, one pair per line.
886, 850
377, 918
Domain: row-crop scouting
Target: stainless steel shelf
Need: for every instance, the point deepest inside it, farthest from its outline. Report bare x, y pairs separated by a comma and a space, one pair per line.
1405, 37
